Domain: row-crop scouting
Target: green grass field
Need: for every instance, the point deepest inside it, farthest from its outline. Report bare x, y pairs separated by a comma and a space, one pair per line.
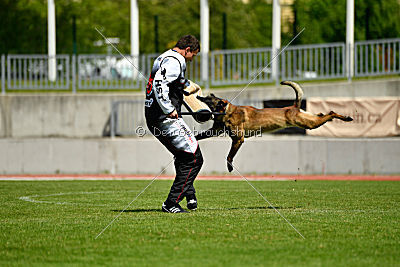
345, 223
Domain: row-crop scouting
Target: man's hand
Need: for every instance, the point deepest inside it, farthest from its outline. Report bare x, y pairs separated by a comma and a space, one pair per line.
173, 114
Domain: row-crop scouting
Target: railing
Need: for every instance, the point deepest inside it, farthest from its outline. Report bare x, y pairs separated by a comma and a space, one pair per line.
31, 72
226, 67
126, 117
117, 72
378, 57
311, 62
105, 72
240, 66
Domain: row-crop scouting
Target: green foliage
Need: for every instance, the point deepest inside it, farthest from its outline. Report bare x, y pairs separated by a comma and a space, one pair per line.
24, 23
325, 21
23, 26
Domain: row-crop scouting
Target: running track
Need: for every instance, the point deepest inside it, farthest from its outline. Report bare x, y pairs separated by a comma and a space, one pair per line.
61, 177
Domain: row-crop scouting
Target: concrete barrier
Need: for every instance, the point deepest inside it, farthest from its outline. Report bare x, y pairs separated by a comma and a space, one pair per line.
263, 155
87, 115
61, 133
366, 88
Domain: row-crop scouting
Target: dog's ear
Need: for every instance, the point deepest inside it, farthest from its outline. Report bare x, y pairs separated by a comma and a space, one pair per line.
212, 95
222, 103
220, 107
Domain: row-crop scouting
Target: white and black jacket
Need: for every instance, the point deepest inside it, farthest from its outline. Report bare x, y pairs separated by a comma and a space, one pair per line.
164, 91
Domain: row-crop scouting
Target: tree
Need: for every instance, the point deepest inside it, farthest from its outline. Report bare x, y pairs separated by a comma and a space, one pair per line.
24, 23
325, 21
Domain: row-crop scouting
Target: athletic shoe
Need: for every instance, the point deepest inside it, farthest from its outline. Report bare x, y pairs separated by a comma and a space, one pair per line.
191, 202
175, 208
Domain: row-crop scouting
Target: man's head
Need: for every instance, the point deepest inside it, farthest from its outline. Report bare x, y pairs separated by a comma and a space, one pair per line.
188, 46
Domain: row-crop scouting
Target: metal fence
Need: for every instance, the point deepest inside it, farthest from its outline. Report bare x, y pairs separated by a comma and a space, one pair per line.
240, 66
105, 72
226, 67
310, 62
378, 57
32, 72
117, 72
126, 117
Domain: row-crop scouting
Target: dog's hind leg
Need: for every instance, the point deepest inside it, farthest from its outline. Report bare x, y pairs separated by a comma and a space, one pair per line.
340, 117
309, 121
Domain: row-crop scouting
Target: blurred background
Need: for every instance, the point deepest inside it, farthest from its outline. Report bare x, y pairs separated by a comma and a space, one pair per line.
248, 23
71, 103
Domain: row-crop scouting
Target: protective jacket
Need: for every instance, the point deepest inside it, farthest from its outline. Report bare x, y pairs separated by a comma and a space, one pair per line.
164, 91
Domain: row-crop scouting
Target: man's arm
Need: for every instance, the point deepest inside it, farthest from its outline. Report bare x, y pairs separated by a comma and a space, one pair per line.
169, 71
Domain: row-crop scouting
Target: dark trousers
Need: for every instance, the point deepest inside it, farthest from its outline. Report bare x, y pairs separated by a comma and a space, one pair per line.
188, 158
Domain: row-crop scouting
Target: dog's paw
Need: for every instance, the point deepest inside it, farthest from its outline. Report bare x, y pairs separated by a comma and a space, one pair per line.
348, 119
229, 165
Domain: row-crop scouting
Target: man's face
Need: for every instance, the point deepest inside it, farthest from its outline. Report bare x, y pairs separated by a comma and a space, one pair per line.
189, 55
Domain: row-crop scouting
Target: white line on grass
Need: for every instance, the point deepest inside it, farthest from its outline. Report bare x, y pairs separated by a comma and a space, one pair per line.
155, 177
295, 210
33, 200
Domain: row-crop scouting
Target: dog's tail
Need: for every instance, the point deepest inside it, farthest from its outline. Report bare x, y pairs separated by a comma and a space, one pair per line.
298, 91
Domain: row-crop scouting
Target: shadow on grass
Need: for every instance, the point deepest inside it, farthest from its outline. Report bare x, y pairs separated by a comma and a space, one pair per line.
247, 208
210, 209
138, 210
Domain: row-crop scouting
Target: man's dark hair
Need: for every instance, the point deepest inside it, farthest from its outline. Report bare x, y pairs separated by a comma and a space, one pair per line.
188, 41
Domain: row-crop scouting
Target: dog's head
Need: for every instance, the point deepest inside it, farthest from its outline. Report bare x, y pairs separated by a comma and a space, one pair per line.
216, 104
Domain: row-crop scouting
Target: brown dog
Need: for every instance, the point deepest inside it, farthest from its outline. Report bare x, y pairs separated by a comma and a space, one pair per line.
244, 121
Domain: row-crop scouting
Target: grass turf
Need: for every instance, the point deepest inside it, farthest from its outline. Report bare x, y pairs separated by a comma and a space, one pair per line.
353, 223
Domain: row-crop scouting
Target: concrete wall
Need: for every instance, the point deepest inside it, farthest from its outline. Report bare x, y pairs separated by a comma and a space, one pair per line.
56, 115
263, 155
61, 133
367, 88
87, 115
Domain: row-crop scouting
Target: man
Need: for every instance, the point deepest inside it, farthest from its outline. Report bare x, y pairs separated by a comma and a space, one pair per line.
164, 98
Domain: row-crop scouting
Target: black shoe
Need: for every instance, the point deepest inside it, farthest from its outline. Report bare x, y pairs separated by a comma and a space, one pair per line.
175, 208
191, 202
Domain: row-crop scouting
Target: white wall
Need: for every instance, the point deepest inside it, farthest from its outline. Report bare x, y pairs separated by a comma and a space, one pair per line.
86, 115
261, 155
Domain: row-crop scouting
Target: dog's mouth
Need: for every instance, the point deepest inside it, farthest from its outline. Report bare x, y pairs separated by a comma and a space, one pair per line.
208, 102
221, 106
215, 104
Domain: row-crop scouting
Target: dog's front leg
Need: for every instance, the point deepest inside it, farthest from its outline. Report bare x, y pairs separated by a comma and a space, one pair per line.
237, 141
